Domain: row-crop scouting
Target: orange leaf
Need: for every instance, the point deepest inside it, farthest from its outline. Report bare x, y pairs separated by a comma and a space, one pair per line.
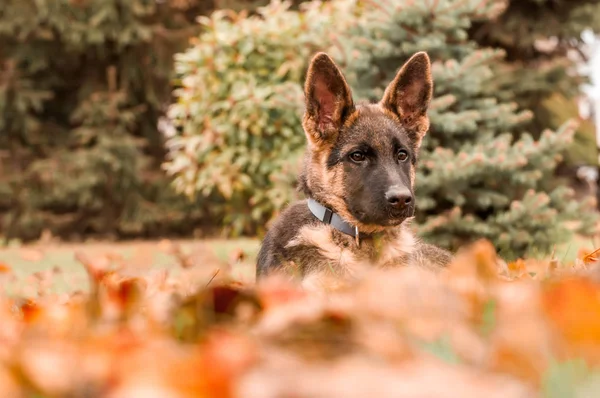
224, 299
517, 268
589, 257
478, 259
274, 291
518, 265
224, 358
118, 297
30, 311
513, 360
96, 270
573, 306
4, 268
9, 386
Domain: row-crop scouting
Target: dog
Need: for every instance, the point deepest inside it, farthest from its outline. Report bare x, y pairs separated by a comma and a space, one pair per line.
358, 176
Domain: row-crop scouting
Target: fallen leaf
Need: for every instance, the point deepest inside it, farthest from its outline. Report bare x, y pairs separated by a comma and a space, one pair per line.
573, 306
4, 268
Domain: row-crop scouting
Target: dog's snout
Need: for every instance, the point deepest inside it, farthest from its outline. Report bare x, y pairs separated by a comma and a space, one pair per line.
399, 197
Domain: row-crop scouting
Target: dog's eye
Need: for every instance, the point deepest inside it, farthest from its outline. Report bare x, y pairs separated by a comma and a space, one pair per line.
357, 156
402, 155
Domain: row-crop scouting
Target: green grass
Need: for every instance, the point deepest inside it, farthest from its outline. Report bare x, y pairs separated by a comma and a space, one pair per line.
27, 260
22, 261
567, 252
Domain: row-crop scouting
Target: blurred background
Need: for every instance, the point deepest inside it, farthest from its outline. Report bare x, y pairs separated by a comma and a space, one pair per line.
152, 119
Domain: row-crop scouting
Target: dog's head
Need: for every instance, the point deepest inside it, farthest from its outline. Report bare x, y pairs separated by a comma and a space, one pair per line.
361, 158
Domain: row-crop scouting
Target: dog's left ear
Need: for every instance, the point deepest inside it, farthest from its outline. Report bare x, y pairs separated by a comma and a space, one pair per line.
328, 100
409, 94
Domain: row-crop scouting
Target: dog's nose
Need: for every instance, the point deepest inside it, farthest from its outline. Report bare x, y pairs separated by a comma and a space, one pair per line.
399, 197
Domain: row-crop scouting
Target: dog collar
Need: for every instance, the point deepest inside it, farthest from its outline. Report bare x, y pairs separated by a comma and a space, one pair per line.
330, 217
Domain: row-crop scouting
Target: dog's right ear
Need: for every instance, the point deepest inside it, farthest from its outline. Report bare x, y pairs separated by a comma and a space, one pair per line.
409, 94
328, 100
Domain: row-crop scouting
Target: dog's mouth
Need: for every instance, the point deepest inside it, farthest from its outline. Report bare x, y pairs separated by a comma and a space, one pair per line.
396, 221
390, 219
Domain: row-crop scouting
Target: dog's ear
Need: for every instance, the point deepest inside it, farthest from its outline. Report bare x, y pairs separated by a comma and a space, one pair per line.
328, 100
409, 94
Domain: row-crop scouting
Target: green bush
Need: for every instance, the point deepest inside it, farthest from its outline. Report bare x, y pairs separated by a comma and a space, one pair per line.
239, 107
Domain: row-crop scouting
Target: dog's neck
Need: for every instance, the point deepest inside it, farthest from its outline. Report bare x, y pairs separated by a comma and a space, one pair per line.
330, 217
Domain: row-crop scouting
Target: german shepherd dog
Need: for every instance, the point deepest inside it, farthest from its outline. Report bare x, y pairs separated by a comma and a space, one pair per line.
358, 176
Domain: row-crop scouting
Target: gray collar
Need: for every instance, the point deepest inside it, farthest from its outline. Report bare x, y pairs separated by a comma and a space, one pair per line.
328, 216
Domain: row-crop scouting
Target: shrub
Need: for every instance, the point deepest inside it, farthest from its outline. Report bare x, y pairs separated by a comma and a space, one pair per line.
239, 107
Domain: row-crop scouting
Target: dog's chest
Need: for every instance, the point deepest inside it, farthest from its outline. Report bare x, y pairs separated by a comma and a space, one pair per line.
332, 251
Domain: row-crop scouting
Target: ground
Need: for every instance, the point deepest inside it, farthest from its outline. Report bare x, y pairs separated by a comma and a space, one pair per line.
27, 260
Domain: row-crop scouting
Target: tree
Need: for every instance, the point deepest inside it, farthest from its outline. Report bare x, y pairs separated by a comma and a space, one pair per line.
82, 85
475, 180
542, 40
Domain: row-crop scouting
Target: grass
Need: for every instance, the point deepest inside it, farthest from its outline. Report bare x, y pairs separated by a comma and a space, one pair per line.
27, 260
567, 252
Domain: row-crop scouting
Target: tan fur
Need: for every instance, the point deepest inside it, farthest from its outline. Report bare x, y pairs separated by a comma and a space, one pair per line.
395, 247
392, 253
347, 263
388, 112
320, 282
341, 260
352, 118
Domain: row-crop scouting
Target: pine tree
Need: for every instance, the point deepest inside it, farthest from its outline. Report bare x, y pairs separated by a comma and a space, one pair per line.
542, 40
82, 85
474, 179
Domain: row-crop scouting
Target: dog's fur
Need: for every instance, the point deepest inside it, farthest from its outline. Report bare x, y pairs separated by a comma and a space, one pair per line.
362, 188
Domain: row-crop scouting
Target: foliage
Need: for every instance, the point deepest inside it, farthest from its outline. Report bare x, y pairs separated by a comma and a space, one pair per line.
542, 40
395, 332
474, 178
555, 109
82, 84
239, 108
249, 5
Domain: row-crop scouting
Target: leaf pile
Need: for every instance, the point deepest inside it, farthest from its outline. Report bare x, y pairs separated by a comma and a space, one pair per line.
478, 328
